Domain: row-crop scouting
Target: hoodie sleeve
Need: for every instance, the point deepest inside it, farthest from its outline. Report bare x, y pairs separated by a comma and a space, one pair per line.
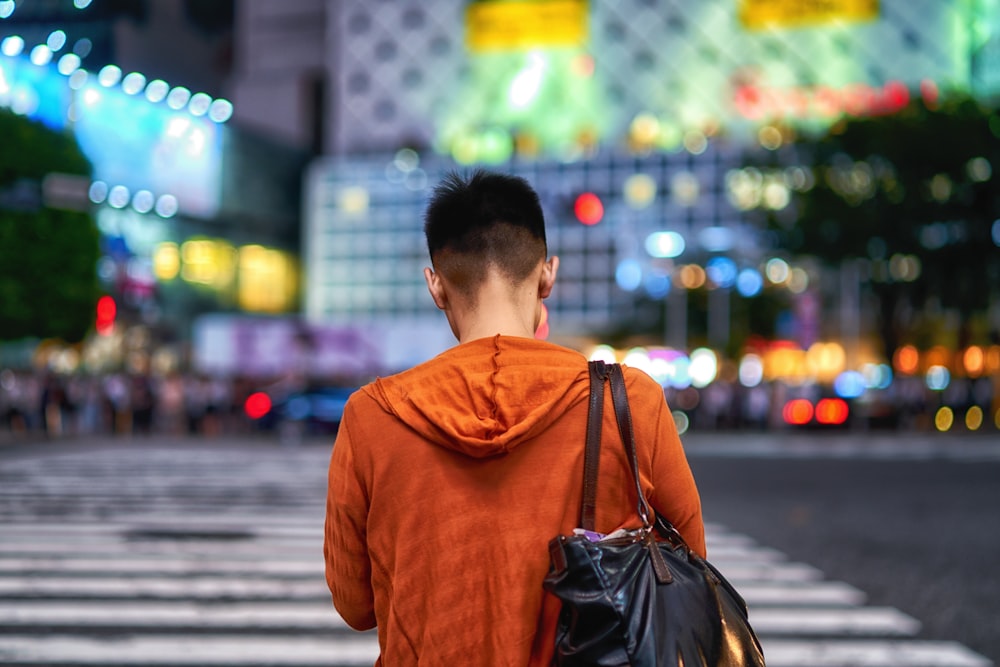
674, 492
345, 548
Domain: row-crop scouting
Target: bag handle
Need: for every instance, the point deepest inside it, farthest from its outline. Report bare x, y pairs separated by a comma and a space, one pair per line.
623, 416
599, 373
592, 452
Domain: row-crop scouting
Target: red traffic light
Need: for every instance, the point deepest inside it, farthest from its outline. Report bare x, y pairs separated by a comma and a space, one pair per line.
588, 208
107, 309
257, 405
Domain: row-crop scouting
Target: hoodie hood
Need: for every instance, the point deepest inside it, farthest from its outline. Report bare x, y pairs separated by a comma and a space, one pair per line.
485, 397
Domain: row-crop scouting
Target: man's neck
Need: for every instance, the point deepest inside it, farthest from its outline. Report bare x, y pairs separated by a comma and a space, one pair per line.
498, 311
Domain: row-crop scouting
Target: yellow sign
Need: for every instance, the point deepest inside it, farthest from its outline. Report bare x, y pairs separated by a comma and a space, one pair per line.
761, 14
495, 25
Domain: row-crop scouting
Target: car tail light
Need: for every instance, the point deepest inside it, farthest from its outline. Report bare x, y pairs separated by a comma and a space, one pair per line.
831, 411
797, 411
257, 405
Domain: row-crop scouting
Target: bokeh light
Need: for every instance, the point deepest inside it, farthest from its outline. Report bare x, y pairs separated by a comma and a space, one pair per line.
850, 384
974, 418
749, 283
751, 371
257, 405
944, 419
604, 353
937, 378
704, 367
832, 411
628, 275
798, 411
722, 271
588, 208
639, 190
12, 46
665, 244
681, 421
109, 75
906, 360
777, 270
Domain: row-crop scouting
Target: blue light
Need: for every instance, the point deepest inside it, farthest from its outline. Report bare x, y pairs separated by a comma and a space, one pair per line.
665, 244
849, 384
749, 282
716, 239
721, 271
937, 378
628, 275
657, 285
877, 376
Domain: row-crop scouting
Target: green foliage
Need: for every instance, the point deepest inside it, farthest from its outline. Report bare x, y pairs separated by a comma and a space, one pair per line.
48, 257
31, 150
921, 182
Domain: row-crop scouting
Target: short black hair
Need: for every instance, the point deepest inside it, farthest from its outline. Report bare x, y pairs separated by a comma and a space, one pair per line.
488, 218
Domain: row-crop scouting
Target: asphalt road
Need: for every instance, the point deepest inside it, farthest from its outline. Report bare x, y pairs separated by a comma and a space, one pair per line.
919, 532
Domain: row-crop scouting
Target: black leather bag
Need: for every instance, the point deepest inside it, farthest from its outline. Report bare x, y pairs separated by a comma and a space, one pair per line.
644, 598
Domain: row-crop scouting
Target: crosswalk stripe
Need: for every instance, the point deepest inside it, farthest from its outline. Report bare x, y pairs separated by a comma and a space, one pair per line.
131, 570
855, 621
211, 651
189, 651
870, 653
180, 616
211, 587
316, 616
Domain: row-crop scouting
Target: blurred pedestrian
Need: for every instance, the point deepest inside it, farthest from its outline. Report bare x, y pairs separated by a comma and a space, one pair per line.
53, 405
448, 480
195, 402
170, 403
143, 404
119, 395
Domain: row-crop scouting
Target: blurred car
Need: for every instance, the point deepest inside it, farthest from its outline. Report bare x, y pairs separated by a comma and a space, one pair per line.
312, 410
824, 412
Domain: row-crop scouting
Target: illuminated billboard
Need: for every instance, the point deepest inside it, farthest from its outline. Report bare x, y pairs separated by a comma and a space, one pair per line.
489, 79
130, 141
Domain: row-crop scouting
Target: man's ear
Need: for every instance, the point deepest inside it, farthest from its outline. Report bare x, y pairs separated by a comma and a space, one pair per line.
436, 287
548, 277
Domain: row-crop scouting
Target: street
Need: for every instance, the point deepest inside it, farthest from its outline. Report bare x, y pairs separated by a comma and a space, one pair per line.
850, 550
910, 519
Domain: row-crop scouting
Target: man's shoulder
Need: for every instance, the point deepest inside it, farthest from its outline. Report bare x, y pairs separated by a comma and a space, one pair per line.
641, 384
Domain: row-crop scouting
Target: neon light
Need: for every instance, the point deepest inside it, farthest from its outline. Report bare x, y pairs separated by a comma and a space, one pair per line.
801, 102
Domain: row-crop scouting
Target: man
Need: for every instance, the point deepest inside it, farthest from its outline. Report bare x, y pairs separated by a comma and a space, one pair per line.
448, 480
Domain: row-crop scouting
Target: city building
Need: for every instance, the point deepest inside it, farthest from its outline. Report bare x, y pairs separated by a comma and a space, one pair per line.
196, 214
650, 106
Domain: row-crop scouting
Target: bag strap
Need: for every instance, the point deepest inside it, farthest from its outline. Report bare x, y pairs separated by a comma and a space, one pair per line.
623, 416
592, 452
599, 373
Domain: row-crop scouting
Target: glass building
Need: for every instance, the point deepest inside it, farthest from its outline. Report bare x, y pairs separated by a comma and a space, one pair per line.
649, 107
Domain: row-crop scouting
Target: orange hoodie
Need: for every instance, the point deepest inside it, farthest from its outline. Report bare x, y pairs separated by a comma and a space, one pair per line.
448, 480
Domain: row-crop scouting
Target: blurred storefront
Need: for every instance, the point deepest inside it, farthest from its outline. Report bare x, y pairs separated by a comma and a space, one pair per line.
635, 119
196, 216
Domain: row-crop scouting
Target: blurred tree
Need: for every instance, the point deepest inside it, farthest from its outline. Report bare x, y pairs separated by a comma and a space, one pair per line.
913, 195
48, 256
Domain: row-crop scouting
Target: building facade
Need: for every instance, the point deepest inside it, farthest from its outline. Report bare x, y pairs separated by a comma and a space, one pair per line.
651, 106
